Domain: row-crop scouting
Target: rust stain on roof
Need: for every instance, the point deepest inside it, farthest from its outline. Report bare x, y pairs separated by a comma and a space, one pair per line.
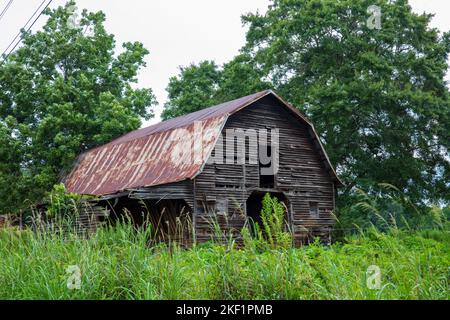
158, 154
155, 159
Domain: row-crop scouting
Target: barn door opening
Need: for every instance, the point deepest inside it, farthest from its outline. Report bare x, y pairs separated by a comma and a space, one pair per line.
170, 220
254, 207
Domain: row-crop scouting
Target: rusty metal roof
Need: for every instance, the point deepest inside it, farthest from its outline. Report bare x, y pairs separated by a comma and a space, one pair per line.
156, 155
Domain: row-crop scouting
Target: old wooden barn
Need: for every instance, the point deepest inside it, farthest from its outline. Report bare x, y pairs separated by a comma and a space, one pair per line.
215, 165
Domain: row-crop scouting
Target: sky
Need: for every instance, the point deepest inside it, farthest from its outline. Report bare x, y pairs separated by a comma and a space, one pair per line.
176, 32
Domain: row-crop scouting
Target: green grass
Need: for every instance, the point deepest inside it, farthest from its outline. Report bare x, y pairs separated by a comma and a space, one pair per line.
116, 263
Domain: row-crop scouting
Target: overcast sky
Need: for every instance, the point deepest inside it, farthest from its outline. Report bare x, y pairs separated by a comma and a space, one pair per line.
176, 32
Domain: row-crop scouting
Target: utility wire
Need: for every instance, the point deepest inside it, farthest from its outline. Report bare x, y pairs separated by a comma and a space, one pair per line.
5, 9
20, 32
28, 29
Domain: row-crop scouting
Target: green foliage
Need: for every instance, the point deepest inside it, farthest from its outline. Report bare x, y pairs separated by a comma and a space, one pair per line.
116, 263
273, 223
192, 90
60, 203
386, 207
10, 151
378, 98
240, 77
206, 84
62, 92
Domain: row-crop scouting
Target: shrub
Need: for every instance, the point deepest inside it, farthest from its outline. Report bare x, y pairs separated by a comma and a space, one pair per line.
60, 203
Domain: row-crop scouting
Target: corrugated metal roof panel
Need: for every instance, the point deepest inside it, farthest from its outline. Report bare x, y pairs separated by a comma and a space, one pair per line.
204, 114
155, 159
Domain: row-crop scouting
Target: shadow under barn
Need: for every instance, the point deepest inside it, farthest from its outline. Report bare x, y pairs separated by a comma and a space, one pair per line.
170, 220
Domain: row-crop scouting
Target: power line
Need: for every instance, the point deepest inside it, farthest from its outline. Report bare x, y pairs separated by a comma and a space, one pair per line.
20, 32
5, 9
28, 29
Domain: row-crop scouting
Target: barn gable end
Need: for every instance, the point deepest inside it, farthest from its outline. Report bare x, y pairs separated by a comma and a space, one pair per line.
303, 178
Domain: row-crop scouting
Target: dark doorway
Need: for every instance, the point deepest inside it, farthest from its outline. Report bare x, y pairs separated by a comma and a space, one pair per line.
266, 180
254, 207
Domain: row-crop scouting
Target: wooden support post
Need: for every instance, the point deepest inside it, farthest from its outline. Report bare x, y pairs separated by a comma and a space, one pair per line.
194, 212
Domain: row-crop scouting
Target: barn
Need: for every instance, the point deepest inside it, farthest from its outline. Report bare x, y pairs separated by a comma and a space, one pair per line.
212, 167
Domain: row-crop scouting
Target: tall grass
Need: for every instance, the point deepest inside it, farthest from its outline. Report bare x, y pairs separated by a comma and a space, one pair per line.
117, 263
123, 262
385, 207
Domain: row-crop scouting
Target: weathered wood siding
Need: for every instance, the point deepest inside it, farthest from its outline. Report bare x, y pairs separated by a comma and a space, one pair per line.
302, 177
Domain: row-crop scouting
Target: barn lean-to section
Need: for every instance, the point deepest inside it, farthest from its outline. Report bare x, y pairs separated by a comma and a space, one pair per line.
155, 167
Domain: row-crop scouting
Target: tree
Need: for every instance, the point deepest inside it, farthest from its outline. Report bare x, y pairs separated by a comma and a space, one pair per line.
62, 92
200, 86
192, 90
377, 96
240, 77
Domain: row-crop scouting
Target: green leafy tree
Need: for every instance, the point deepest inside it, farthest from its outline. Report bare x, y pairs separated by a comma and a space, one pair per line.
62, 92
200, 86
192, 90
377, 96
240, 77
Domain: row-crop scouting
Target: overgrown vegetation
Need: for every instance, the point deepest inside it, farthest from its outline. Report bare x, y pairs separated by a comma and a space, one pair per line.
117, 263
122, 262
60, 203
273, 231
386, 207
